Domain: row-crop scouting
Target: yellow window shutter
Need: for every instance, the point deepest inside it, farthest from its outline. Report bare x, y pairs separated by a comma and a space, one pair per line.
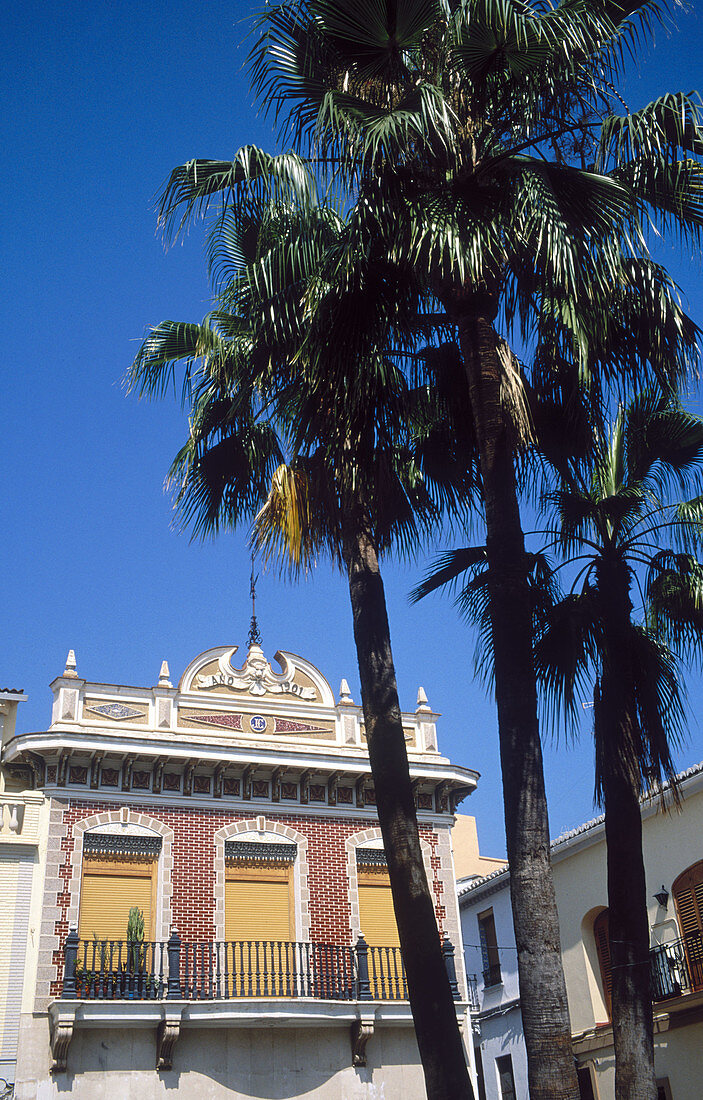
108, 894
258, 904
376, 915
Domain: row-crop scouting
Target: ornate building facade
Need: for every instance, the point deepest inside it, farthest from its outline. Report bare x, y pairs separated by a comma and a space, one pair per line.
233, 815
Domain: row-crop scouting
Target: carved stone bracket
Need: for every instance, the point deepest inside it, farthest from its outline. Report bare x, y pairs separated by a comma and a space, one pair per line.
157, 775
167, 1035
127, 766
276, 784
188, 777
218, 779
95, 760
246, 781
361, 1032
61, 1035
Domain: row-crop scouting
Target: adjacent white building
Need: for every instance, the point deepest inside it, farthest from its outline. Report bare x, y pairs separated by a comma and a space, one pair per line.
673, 851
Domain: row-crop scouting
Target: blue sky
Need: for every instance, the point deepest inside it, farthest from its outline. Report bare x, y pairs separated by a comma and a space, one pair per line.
100, 102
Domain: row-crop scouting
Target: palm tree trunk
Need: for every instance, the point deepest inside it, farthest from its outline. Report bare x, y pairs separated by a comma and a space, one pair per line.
617, 768
544, 1007
431, 1001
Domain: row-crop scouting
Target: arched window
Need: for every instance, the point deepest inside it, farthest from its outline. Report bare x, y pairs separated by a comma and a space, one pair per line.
119, 872
688, 898
601, 934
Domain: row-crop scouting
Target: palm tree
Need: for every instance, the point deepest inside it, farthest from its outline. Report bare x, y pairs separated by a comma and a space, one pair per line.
622, 521
363, 474
618, 499
480, 145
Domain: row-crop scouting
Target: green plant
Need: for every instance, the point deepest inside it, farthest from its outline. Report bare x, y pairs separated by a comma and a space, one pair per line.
136, 953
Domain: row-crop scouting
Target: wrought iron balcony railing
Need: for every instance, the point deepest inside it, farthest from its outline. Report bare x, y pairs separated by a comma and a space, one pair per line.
677, 967
184, 970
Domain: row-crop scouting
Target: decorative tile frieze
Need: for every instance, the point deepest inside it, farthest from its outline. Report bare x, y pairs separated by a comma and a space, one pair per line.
77, 774
230, 786
116, 712
141, 781
318, 792
345, 795
243, 849
51, 773
260, 788
226, 721
123, 845
172, 781
201, 784
371, 857
284, 725
289, 790
109, 777
424, 801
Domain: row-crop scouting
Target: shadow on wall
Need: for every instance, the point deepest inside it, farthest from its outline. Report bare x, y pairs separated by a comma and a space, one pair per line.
263, 1063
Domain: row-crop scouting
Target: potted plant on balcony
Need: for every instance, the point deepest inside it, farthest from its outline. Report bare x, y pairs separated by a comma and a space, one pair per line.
136, 979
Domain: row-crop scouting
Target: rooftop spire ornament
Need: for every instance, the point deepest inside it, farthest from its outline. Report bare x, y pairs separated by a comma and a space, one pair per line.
254, 637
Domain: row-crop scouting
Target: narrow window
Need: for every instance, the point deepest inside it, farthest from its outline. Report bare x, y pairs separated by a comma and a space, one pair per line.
664, 1089
260, 916
586, 1080
489, 948
601, 934
479, 1074
378, 926
506, 1081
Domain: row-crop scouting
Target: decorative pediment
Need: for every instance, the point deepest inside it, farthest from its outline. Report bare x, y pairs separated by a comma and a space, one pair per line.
213, 673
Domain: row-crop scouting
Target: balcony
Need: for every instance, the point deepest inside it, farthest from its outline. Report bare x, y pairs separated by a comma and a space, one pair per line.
175, 983
677, 967
207, 971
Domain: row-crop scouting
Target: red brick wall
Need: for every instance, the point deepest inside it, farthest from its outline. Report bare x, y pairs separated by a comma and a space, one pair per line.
193, 865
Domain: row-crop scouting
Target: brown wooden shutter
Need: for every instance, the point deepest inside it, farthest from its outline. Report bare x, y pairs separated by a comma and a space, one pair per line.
688, 898
376, 915
259, 904
108, 892
601, 932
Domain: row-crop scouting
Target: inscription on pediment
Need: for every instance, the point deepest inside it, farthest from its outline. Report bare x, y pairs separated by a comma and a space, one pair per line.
256, 677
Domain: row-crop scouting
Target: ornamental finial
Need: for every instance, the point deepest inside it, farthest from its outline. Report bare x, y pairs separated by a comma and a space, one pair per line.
165, 675
70, 669
254, 637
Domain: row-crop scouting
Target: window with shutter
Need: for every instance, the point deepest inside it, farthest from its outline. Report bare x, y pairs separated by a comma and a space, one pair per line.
688, 898
377, 922
259, 925
601, 934
109, 889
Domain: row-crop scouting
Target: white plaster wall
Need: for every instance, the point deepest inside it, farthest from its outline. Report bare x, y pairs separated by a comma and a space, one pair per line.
236, 1064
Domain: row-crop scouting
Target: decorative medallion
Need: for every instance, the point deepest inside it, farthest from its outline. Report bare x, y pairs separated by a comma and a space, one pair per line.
109, 777
141, 780
257, 723
289, 790
172, 781
318, 792
227, 721
118, 712
256, 677
201, 784
345, 795
284, 725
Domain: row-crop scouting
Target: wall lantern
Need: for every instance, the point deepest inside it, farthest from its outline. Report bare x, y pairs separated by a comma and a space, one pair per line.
663, 897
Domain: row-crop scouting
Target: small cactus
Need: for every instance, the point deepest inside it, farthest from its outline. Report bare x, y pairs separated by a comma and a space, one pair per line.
135, 924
